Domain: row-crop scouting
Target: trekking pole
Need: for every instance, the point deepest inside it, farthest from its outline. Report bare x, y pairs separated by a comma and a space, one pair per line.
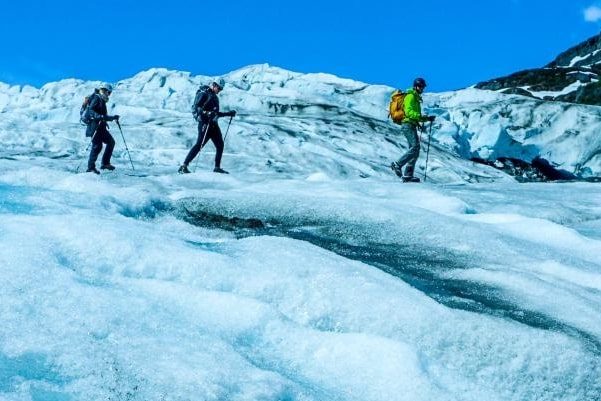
204, 134
428, 152
125, 143
86, 151
228, 129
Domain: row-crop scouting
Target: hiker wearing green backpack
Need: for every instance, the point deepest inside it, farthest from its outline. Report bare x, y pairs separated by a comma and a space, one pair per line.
406, 110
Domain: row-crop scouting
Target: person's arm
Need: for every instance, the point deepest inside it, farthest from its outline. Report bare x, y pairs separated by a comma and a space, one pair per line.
94, 115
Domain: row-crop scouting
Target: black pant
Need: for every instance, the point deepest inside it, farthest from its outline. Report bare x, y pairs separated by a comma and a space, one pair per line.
101, 136
213, 132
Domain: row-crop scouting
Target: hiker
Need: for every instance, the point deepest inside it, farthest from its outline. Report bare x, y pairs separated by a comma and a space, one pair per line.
411, 121
97, 128
206, 112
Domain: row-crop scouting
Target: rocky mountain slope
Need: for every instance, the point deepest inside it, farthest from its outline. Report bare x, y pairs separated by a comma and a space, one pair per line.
572, 77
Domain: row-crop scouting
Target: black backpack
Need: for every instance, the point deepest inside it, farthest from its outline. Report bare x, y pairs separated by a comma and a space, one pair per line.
84, 114
196, 107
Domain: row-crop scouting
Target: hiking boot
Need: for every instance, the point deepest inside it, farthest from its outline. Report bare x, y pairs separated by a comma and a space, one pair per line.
183, 169
109, 167
219, 170
408, 178
92, 170
397, 168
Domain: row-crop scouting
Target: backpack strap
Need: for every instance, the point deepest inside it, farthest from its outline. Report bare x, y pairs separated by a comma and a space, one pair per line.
205, 90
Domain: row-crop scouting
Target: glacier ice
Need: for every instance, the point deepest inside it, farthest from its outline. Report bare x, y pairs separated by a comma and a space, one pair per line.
310, 273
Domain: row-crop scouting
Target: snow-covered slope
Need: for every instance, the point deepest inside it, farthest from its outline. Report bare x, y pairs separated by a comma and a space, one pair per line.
586, 54
300, 124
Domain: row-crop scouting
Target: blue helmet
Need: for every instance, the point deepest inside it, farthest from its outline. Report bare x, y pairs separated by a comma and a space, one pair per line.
419, 82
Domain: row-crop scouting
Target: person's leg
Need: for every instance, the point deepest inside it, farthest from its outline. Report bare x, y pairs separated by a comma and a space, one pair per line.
198, 145
108, 151
410, 133
410, 158
96, 148
414, 148
217, 139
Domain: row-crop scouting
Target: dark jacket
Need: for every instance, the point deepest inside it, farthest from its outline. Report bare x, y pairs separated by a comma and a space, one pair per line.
207, 106
97, 113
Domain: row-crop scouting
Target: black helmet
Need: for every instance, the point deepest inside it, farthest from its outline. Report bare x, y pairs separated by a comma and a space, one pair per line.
419, 82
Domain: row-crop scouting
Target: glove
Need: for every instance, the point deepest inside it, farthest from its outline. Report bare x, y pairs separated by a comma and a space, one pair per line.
116, 117
430, 118
232, 113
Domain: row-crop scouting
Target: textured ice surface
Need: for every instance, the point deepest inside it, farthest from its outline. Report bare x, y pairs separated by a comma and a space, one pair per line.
310, 272
155, 288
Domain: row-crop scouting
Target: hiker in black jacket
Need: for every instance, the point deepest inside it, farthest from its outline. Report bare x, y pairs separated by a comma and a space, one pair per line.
206, 112
98, 129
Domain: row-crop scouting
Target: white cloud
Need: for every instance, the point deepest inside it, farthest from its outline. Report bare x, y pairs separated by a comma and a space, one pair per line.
592, 14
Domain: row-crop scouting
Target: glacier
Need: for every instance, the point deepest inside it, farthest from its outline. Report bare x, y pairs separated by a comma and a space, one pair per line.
320, 116
309, 273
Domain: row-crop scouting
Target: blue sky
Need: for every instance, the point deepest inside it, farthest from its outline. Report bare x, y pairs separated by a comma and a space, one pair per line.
452, 44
